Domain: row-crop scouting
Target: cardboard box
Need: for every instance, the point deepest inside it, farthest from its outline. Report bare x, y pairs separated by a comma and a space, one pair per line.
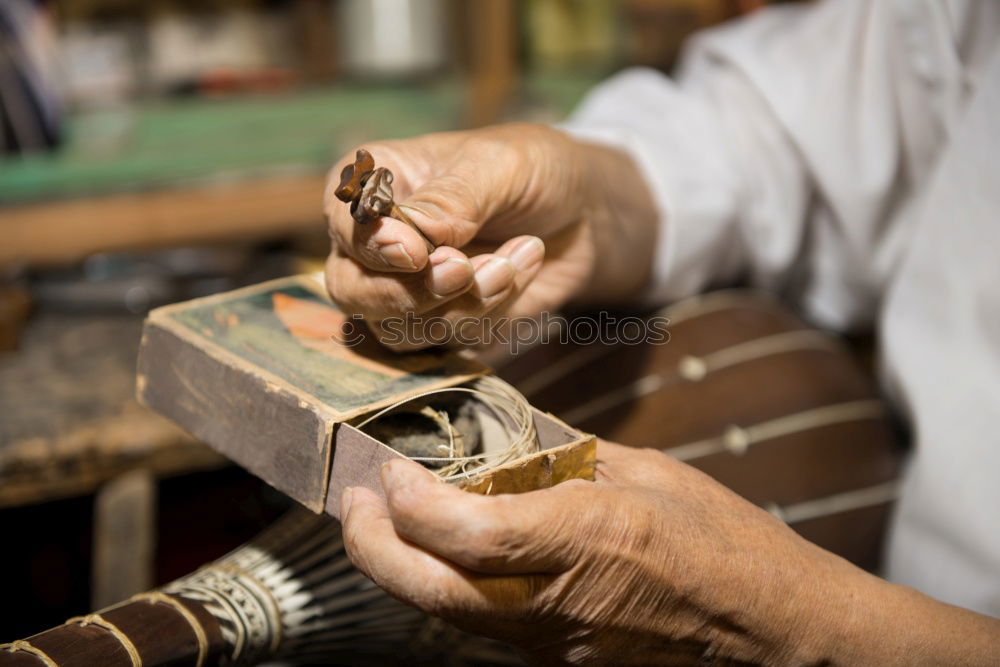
269, 375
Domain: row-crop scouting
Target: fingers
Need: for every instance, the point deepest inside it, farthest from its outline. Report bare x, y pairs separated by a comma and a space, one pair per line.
483, 179
382, 245
403, 570
508, 534
449, 275
476, 316
377, 295
456, 322
412, 574
452, 295
364, 515
448, 208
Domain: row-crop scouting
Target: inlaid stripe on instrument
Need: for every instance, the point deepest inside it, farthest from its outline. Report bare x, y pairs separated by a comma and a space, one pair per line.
679, 312
553, 332
123, 639
253, 613
265, 597
737, 439
836, 503
704, 304
234, 633
631, 392
25, 646
556, 371
695, 369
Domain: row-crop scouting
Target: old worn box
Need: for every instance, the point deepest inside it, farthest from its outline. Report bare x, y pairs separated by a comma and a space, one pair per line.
269, 375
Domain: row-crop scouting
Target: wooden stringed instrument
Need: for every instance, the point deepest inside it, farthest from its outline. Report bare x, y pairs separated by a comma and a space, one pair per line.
744, 390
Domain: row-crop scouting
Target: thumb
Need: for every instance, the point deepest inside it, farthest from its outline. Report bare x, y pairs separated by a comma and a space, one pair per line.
452, 208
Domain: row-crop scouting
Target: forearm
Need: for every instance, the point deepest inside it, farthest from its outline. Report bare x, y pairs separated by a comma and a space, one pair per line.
838, 614
774, 598
907, 627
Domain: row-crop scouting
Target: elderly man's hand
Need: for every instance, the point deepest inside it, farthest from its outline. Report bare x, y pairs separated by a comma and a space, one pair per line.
526, 219
653, 563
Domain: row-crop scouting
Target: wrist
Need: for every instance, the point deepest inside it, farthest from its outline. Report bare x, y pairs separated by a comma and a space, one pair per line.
791, 603
619, 222
843, 615
898, 625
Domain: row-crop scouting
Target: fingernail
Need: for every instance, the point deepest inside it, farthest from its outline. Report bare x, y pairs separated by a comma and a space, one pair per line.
397, 256
494, 276
528, 253
449, 276
345, 502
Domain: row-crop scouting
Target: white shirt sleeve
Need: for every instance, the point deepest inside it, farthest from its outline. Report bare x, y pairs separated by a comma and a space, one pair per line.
778, 154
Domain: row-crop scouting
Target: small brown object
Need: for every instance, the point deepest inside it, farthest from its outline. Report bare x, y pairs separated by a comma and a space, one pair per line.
353, 176
368, 189
376, 197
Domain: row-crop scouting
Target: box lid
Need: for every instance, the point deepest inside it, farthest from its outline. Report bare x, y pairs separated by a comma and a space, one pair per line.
264, 374
288, 332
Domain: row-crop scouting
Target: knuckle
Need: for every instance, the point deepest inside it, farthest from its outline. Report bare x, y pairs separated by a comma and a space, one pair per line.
341, 233
653, 457
405, 504
389, 297
438, 597
452, 193
509, 151
352, 543
340, 292
487, 540
575, 486
376, 298
496, 144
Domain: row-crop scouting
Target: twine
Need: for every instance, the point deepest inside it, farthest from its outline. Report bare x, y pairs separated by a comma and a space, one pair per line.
123, 639
25, 646
199, 632
509, 407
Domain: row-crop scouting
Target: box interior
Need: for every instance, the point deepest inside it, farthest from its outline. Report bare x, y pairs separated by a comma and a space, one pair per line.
358, 458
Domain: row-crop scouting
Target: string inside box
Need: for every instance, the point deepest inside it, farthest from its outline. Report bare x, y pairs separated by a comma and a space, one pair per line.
507, 405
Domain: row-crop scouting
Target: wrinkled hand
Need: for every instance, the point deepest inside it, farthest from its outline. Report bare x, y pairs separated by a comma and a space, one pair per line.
518, 213
652, 563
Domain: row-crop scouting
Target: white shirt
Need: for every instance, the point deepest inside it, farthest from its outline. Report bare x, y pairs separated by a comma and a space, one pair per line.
847, 155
